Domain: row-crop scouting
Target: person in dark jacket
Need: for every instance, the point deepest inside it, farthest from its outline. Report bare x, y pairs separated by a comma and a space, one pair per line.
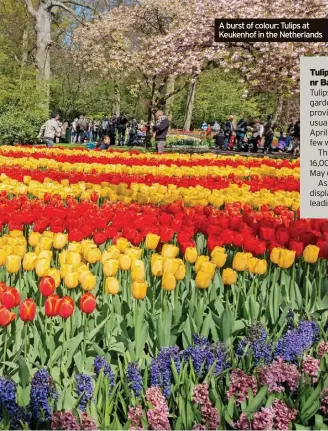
121, 124
268, 133
161, 130
228, 129
241, 131
296, 137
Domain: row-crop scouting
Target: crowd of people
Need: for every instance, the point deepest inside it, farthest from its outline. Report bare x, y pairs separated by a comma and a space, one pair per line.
114, 130
252, 136
243, 136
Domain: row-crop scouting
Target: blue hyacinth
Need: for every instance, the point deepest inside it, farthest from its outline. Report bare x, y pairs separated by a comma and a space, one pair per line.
161, 371
8, 404
134, 379
100, 363
84, 390
203, 355
294, 342
258, 344
42, 392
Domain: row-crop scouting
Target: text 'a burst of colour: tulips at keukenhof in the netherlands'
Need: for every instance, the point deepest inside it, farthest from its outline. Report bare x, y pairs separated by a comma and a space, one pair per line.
145, 291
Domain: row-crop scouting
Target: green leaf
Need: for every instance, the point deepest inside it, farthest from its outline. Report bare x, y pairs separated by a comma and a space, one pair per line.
255, 403
24, 374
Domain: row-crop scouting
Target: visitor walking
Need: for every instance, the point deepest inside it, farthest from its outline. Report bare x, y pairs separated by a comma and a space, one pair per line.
161, 129
256, 135
81, 129
241, 132
104, 127
50, 129
63, 132
122, 122
268, 134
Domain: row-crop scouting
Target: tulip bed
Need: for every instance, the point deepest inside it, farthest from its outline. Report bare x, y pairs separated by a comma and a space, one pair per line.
145, 291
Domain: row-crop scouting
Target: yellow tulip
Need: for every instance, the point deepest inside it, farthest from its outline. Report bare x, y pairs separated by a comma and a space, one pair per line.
73, 258
16, 233
45, 243
229, 276
112, 286
63, 257
191, 254
20, 250
13, 263
60, 240
181, 271
157, 267
134, 252
199, 262
311, 253
113, 252
75, 247
26, 179
240, 261
55, 274
138, 270
3, 256
110, 267
257, 266
203, 280
65, 269
122, 244
71, 280
139, 289
152, 241
168, 282
170, 265
93, 255
29, 261
209, 268
286, 258
41, 266
274, 255
217, 249
45, 254
87, 280
34, 238
48, 233
124, 262
219, 259
170, 251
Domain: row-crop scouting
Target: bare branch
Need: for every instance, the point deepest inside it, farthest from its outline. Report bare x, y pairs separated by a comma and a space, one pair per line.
76, 3
30, 8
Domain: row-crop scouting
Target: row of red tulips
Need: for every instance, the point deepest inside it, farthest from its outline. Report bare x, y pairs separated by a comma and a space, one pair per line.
286, 183
140, 159
237, 225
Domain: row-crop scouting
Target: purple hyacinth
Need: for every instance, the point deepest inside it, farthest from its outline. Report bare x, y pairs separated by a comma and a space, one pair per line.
84, 390
42, 391
8, 404
100, 363
294, 342
134, 379
161, 371
258, 344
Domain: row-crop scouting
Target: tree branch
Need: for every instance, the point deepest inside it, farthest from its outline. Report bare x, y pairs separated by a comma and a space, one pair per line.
76, 3
30, 8
68, 9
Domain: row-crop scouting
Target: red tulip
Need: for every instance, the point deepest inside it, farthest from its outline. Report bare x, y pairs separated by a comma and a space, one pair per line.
47, 285
88, 303
65, 307
6, 317
267, 233
94, 197
10, 298
51, 306
297, 246
27, 310
99, 237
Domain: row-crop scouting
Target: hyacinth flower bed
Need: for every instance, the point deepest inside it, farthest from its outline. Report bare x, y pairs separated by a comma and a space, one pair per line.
141, 291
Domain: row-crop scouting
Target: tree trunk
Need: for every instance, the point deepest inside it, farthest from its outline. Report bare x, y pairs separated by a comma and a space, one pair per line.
24, 48
190, 103
43, 21
169, 102
117, 98
151, 107
280, 103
